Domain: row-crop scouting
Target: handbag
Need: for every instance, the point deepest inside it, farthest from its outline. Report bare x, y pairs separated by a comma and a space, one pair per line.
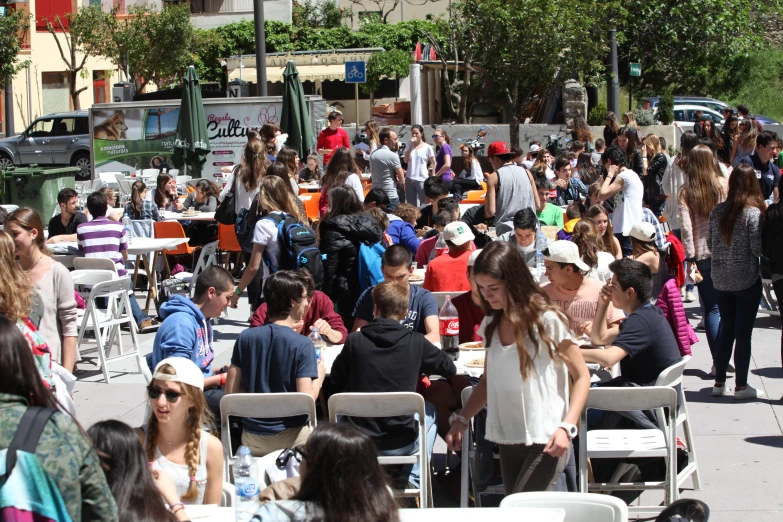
226, 213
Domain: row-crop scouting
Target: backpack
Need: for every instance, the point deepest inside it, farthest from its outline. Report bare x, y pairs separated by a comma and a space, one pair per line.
298, 247
27, 491
172, 286
245, 225
369, 263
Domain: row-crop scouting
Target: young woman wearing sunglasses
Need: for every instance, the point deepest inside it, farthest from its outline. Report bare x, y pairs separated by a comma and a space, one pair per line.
174, 437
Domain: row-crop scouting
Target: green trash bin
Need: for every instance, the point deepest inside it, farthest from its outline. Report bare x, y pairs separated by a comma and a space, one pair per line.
37, 187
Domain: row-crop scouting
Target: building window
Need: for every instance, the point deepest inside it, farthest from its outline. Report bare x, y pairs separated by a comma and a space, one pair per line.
47, 10
56, 95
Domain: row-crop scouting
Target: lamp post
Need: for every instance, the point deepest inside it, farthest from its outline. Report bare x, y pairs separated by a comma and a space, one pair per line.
613, 94
258, 19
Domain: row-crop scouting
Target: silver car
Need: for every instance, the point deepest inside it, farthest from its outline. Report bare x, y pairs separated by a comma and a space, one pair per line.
56, 139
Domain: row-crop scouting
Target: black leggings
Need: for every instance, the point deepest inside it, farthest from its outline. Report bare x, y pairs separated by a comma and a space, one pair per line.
778, 287
460, 186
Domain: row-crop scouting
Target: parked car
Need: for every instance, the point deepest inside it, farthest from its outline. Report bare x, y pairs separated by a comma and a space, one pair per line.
686, 114
710, 103
56, 139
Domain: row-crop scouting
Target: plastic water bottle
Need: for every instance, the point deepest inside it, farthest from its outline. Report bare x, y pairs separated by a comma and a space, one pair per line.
318, 341
126, 222
246, 484
540, 246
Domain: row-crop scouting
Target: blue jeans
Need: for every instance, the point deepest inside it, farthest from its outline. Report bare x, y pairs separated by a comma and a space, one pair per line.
393, 203
625, 244
738, 314
709, 305
138, 315
432, 432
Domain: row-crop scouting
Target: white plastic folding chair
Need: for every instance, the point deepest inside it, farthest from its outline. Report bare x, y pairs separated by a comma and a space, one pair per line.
672, 376
109, 179
579, 507
260, 406
206, 258
83, 281
469, 468
374, 405
125, 188
440, 297
106, 323
633, 443
228, 495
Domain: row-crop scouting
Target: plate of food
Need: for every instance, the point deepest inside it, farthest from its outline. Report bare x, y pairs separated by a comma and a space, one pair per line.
474, 363
472, 346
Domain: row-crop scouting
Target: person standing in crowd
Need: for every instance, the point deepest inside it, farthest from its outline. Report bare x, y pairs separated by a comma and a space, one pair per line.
420, 159
587, 240
343, 229
63, 227
51, 280
730, 132
372, 130
600, 146
510, 188
628, 140
762, 161
164, 195
443, 157
422, 316
585, 169
246, 177
703, 191
278, 170
581, 131
471, 176
63, 450
176, 435
289, 158
342, 170
401, 227
655, 162
524, 234
385, 356
103, 238
532, 153
139, 207
530, 353
319, 314
611, 128
386, 167
273, 358
712, 132
735, 242
332, 137
745, 143
268, 138
603, 225
446, 273
548, 214
273, 198
338, 458
773, 250
627, 188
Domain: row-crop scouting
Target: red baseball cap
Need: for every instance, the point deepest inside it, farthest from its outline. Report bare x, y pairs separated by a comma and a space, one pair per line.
498, 148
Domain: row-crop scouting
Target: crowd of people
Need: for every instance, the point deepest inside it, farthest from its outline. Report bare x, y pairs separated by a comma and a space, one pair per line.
567, 253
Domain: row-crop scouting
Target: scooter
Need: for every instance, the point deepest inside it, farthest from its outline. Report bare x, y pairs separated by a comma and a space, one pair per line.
475, 143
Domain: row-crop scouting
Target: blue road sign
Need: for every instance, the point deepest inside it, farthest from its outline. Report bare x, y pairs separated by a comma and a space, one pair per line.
355, 72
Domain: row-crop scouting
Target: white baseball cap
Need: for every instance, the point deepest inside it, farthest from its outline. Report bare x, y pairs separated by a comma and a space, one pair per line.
473, 256
534, 148
458, 233
566, 252
643, 231
185, 372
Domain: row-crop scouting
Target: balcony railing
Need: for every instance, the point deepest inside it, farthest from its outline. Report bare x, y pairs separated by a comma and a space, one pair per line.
220, 6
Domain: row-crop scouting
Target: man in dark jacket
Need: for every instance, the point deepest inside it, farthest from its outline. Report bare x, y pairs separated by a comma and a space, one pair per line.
384, 356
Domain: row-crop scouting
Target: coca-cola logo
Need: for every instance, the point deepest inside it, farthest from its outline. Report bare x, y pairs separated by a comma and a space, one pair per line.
453, 325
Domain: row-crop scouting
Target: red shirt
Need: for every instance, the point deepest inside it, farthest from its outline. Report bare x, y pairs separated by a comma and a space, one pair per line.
448, 273
321, 307
332, 139
470, 317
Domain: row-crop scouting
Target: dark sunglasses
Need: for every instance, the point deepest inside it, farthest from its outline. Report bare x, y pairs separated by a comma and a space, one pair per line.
171, 396
297, 452
435, 136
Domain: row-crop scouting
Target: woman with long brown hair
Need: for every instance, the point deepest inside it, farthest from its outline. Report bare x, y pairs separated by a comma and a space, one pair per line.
289, 158
174, 437
51, 280
745, 143
654, 163
674, 179
709, 130
268, 136
246, 177
603, 226
341, 170
581, 131
735, 243
611, 128
591, 249
628, 140
531, 351
139, 207
277, 169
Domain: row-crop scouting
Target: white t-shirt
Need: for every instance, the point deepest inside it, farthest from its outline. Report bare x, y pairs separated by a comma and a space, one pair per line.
265, 234
417, 163
628, 203
525, 411
476, 173
355, 183
242, 198
601, 271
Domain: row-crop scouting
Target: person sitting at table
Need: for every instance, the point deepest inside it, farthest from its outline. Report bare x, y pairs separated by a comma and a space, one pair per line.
204, 199
524, 235
273, 358
402, 221
574, 212
186, 330
165, 194
319, 313
139, 207
435, 190
447, 273
422, 316
571, 290
449, 204
63, 227
386, 356
103, 238
376, 197
113, 213
426, 251
547, 213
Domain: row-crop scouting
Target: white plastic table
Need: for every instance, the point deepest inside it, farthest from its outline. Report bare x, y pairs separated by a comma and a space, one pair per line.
178, 216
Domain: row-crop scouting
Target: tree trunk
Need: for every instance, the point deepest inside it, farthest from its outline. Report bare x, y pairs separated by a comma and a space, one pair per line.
462, 116
72, 75
513, 130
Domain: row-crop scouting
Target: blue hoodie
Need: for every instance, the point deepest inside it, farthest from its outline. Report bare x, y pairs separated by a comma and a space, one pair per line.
403, 233
185, 332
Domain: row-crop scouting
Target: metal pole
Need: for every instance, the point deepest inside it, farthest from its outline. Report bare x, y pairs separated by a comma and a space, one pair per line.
630, 93
29, 95
258, 18
240, 66
9, 107
356, 95
613, 96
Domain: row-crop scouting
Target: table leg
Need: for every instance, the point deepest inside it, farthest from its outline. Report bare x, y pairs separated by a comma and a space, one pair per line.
152, 279
166, 263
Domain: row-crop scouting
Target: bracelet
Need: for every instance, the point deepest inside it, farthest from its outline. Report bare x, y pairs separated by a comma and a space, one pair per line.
456, 417
222, 379
172, 506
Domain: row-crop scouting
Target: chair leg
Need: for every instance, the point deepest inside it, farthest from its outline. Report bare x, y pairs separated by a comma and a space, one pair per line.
686, 428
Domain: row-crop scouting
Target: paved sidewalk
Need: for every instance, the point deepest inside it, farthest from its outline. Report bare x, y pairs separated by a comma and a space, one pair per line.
738, 444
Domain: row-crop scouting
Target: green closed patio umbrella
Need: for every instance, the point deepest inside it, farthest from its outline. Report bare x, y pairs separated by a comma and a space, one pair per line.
191, 145
295, 119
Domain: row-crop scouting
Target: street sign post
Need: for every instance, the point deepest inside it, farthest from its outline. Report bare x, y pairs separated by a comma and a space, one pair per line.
356, 73
636, 70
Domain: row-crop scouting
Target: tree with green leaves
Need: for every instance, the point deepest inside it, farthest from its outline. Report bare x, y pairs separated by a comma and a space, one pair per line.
528, 48
12, 28
391, 64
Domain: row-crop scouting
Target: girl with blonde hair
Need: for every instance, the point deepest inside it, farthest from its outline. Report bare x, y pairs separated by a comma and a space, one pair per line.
246, 177
745, 143
603, 226
654, 163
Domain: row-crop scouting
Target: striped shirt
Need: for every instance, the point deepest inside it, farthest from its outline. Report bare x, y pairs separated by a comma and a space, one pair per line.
105, 239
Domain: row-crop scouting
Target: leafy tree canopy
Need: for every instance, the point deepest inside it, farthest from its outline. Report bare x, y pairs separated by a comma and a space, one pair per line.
11, 38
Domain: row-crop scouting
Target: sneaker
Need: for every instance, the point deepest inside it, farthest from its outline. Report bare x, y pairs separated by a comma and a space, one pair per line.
682, 292
719, 391
748, 393
700, 326
148, 325
689, 297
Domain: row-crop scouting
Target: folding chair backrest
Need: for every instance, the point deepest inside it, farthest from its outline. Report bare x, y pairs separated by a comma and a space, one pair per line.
112, 288
92, 277
227, 238
672, 375
143, 228
94, 263
376, 405
629, 399
578, 507
171, 229
207, 258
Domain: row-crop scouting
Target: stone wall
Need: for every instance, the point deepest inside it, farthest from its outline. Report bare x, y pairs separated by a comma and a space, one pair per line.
574, 101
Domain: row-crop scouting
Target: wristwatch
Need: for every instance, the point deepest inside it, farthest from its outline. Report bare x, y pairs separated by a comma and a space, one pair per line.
570, 429
237, 291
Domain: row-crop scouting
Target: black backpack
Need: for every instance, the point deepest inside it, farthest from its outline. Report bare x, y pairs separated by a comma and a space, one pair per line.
298, 247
